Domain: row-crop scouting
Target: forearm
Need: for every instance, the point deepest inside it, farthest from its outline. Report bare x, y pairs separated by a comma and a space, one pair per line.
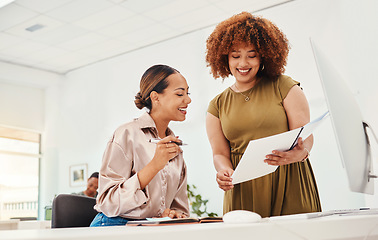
165, 150
307, 144
222, 162
147, 173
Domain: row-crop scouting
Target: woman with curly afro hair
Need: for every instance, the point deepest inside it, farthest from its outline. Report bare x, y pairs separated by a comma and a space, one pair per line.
262, 102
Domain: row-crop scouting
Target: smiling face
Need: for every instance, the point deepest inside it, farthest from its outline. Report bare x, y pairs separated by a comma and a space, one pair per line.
244, 62
172, 103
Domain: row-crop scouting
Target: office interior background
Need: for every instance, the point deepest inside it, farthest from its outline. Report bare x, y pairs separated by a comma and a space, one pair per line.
71, 81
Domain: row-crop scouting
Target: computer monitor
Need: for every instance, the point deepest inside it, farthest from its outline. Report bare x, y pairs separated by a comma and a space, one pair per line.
348, 125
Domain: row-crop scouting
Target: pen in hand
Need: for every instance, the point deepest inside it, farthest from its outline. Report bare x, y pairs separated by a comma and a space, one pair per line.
156, 140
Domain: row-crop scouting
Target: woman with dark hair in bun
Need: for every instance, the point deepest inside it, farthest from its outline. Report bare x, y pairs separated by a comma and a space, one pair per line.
141, 179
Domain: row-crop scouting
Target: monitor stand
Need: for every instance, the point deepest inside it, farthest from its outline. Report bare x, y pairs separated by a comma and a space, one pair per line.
366, 126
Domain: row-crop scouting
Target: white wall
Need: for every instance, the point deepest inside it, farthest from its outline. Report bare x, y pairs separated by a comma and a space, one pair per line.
85, 109
17, 101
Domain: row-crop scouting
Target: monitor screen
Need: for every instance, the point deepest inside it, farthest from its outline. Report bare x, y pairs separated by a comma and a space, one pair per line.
347, 123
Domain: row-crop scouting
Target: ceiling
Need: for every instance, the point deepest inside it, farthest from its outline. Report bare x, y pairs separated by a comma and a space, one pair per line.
62, 35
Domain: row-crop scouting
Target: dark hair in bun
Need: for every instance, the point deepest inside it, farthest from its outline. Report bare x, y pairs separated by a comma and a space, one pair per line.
153, 79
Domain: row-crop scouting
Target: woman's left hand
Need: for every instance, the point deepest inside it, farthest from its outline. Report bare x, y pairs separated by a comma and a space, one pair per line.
278, 158
172, 214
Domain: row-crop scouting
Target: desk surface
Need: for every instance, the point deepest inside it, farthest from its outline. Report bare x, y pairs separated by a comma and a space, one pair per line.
331, 227
17, 224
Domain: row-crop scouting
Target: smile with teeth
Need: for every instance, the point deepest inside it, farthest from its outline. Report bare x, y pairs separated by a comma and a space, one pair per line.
182, 110
244, 70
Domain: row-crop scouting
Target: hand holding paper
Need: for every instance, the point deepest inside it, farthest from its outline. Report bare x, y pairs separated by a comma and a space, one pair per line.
252, 163
298, 153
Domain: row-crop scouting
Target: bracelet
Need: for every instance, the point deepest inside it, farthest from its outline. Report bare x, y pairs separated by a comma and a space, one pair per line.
308, 154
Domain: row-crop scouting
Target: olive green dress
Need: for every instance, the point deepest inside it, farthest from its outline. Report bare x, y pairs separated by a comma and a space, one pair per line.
291, 188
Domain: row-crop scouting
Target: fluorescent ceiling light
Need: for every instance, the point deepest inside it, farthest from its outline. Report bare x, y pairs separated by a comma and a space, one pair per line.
34, 28
5, 2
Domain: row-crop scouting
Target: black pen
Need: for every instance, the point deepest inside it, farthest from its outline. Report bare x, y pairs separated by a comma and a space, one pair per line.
156, 140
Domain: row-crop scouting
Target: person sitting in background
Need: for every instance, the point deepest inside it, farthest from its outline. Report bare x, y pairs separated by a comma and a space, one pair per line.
92, 185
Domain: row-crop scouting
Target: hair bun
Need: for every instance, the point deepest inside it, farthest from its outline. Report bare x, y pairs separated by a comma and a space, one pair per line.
139, 101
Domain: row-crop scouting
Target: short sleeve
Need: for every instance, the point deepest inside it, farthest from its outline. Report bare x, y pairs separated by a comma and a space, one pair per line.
285, 83
214, 107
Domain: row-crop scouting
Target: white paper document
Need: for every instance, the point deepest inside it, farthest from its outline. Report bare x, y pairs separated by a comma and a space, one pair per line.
252, 163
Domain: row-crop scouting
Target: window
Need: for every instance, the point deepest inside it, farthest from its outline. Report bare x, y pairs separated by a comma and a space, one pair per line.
19, 173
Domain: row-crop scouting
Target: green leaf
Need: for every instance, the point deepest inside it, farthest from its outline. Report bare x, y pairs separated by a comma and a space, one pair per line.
197, 203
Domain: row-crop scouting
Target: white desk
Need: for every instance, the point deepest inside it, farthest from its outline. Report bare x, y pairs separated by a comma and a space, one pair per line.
9, 224
331, 227
34, 224
15, 224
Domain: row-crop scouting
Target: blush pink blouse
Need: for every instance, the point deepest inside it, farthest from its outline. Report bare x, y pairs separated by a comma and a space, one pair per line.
127, 152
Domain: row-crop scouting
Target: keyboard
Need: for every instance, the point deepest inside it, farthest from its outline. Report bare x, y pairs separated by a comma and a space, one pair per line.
339, 212
344, 212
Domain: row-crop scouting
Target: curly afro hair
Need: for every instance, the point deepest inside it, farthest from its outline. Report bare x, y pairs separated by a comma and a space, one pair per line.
244, 28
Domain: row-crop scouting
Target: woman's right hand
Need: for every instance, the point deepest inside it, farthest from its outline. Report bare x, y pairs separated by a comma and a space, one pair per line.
166, 150
224, 179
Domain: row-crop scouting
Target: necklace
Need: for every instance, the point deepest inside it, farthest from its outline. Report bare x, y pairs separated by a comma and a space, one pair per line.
246, 97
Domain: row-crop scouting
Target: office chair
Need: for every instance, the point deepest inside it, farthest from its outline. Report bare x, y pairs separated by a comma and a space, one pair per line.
70, 210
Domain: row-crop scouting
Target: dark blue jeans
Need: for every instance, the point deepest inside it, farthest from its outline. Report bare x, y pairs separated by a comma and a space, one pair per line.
101, 220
